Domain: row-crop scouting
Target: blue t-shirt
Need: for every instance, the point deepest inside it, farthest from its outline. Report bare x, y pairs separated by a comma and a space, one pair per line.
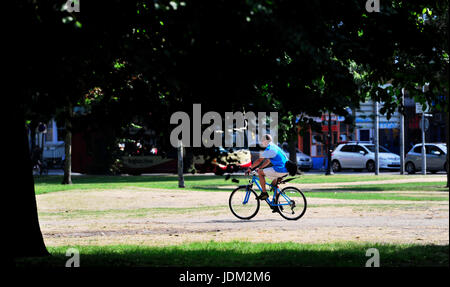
276, 157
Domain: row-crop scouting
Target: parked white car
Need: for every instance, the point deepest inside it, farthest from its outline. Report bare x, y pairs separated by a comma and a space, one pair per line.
436, 157
361, 156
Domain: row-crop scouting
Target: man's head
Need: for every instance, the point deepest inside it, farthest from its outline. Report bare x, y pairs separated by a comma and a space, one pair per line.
266, 140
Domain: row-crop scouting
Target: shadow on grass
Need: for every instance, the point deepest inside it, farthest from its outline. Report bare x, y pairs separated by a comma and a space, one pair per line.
215, 187
241, 254
104, 179
436, 188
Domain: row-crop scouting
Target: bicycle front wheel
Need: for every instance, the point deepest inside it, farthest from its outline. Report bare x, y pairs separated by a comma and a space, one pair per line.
291, 203
243, 203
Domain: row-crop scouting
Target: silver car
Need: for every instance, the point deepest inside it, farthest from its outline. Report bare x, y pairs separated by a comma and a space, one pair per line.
359, 156
436, 158
304, 161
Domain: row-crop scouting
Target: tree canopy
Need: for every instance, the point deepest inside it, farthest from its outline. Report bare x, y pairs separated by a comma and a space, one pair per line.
151, 58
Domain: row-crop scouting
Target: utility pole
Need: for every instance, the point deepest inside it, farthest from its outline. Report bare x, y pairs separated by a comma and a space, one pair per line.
376, 137
329, 169
402, 135
424, 158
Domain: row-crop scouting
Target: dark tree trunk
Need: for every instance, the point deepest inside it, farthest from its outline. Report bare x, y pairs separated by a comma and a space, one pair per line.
448, 141
180, 166
293, 150
293, 143
23, 233
68, 147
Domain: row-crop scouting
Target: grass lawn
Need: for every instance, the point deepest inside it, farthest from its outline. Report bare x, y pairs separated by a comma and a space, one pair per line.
320, 178
409, 186
47, 184
374, 196
246, 254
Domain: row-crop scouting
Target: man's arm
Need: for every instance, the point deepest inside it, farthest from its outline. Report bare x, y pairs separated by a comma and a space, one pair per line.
260, 161
256, 163
265, 163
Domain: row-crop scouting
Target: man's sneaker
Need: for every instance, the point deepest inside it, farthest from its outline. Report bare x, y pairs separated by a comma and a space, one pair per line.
263, 196
274, 209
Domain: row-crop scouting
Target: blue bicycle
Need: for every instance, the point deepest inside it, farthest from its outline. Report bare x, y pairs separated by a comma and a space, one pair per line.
289, 202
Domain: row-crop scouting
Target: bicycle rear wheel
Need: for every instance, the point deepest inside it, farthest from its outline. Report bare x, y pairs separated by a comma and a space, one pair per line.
243, 203
291, 203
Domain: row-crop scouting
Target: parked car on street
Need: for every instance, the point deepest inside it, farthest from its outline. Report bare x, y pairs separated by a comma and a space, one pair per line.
436, 158
359, 156
304, 161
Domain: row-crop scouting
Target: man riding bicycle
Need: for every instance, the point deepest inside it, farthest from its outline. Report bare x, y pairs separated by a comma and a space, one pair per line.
275, 156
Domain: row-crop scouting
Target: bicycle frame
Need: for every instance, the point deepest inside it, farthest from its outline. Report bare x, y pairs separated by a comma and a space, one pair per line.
255, 180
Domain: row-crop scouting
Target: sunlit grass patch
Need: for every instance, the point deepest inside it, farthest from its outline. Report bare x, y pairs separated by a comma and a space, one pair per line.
246, 254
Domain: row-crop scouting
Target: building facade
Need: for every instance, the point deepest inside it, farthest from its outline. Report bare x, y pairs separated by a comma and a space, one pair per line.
313, 143
48, 141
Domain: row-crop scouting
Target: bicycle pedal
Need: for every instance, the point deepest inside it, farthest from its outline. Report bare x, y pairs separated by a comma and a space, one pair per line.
263, 196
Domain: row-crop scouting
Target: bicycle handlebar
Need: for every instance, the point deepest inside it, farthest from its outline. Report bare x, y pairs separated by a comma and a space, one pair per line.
252, 173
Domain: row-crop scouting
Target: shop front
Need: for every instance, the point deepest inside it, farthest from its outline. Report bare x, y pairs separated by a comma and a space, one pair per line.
314, 143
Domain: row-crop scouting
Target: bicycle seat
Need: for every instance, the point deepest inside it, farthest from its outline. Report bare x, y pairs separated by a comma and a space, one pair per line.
287, 180
280, 179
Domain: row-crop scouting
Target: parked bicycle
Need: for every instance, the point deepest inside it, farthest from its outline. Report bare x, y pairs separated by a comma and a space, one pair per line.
289, 202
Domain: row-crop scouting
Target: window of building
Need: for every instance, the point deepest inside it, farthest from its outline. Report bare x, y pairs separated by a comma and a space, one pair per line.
364, 135
49, 134
319, 150
61, 134
317, 139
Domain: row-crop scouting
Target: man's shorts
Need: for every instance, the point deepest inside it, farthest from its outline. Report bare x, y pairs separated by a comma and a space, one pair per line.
272, 174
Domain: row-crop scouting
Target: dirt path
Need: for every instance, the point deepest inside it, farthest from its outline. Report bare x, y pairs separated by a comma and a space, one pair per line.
432, 178
309, 186
162, 217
